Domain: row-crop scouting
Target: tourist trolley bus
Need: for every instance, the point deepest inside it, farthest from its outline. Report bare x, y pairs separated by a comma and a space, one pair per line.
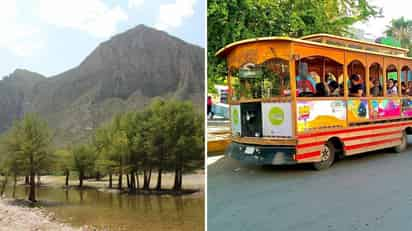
316, 99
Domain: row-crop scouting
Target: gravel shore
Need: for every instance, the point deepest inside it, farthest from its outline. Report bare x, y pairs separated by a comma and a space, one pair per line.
17, 216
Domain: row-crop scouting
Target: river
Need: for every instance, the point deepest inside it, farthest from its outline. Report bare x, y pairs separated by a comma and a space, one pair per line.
114, 211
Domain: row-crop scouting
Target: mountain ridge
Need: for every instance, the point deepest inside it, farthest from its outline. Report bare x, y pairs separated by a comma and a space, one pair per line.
123, 73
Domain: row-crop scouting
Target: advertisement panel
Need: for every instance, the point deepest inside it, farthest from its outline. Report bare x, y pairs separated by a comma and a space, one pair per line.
385, 108
320, 114
235, 119
407, 107
277, 119
358, 110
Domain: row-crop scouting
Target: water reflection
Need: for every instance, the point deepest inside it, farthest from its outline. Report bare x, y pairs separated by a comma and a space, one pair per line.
125, 212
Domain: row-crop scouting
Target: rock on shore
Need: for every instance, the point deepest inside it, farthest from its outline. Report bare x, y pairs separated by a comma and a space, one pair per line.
22, 218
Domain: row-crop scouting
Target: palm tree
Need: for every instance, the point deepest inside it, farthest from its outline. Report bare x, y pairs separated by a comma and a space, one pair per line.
401, 30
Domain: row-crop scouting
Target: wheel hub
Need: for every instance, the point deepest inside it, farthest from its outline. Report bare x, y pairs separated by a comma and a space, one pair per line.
325, 153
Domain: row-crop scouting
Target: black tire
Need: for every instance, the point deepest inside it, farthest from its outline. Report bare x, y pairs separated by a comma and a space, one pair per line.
328, 153
404, 143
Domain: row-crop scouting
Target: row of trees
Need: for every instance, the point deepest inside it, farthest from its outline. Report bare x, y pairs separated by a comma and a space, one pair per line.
234, 20
166, 137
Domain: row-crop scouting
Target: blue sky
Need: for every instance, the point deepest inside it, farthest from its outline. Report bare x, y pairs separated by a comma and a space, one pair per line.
52, 36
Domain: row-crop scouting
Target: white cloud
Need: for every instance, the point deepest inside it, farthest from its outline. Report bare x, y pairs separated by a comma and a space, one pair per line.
135, 3
21, 39
376, 27
172, 15
91, 16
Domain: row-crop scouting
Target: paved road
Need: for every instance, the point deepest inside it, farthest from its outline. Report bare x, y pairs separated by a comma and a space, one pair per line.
366, 192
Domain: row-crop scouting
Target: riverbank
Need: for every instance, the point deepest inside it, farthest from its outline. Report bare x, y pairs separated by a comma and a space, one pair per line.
18, 216
191, 182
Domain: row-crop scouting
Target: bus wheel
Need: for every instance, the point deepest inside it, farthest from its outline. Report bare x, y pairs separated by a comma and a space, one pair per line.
404, 143
327, 155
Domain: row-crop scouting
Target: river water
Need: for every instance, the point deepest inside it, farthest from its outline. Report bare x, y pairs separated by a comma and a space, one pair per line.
114, 211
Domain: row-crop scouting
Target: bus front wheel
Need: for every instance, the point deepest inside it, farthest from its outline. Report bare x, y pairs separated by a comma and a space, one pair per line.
327, 155
404, 143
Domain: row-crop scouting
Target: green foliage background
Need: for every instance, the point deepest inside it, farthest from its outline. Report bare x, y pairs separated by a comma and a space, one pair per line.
234, 20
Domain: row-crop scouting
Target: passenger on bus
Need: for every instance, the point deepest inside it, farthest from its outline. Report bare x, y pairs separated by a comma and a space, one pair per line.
392, 89
321, 90
356, 87
376, 89
409, 90
403, 87
334, 88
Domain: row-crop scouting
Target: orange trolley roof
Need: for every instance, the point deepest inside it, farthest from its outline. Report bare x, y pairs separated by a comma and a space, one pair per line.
327, 40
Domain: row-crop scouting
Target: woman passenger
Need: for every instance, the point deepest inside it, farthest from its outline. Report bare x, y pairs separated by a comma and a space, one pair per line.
376, 89
403, 86
321, 90
334, 88
392, 89
356, 87
409, 90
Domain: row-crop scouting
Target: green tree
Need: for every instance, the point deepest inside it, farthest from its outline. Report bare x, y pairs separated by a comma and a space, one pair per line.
185, 129
234, 20
28, 144
65, 163
84, 159
401, 30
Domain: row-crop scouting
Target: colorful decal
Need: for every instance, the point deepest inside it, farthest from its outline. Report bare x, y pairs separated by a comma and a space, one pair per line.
407, 107
277, 119
385, 108
321, 114
235, 115
276, 116
358, 110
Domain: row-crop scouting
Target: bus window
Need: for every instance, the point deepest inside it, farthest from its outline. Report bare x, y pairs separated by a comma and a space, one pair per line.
376, 80
319, 76
356, 73
404, 80
392, 81
276, 80
266, 80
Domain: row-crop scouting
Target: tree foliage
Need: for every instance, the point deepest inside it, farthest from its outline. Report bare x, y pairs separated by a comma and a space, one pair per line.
27, 149
401, 30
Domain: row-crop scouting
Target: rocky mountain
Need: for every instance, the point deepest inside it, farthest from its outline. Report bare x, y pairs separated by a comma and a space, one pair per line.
123, 73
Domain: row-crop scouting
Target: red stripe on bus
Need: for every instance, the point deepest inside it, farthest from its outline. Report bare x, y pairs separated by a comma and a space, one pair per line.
347, 139
371, 135
356, 146
343, 130
307, 155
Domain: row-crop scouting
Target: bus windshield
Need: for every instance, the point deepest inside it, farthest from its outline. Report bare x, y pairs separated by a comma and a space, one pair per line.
266, 80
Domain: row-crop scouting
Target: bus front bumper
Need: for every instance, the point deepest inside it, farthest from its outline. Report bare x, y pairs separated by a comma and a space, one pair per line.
261, 155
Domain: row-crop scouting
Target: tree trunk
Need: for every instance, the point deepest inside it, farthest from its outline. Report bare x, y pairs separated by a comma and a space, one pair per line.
81, 175
3, 185
38, 179
159, 180
179, 188
119, 184
145, 180
26, 180
137, 181
149, 178
176, 179
128, 180
67, 177
32, 192
14, 185
110, 179
98, 176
